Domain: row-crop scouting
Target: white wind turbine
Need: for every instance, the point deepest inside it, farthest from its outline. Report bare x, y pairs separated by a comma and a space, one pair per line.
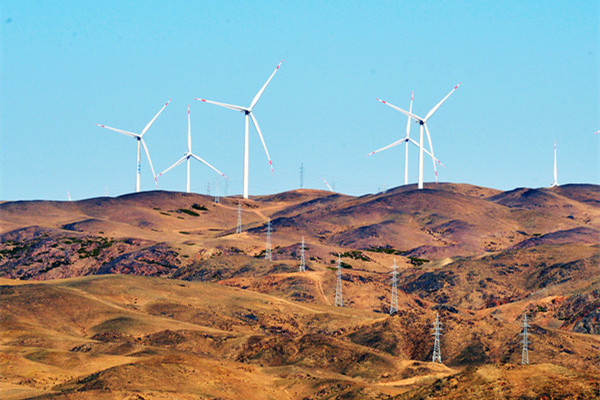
555, 183
406, 140
188, 155
139, 139
423, 124
247, 111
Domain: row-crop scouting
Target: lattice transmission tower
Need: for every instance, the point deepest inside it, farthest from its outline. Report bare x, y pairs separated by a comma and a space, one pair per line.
437, 332
239, 222
268, 255
394, 300
302, 259
525, 342
216, 190
339, 302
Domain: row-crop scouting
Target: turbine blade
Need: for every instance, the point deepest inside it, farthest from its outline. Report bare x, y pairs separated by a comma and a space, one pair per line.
396, 143
182, 159
408, 114
262, 89
130, 134
425, 151
330, 189
210, 166
154, 119
262, 140
434, 109
432, 153
149, 161
230, 106
597, 132
410, 111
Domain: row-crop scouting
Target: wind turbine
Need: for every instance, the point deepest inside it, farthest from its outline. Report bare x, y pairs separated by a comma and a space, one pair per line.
423, 125
555, 183
247, 111
188, 155
406, 140
328, 185
139, 139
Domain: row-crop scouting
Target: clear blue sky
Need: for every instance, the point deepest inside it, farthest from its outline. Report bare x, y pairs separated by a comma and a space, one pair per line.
529, 73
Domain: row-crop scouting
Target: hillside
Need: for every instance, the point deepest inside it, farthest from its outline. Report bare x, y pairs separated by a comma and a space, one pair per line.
158, 286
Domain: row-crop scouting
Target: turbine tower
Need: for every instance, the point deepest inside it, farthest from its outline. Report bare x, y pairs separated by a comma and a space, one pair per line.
239, 221
555, 183
139, 138
437, 332
525, 342
247, 111
339, 302
268, 255
422, 125
187, 155
302, 259
394, 301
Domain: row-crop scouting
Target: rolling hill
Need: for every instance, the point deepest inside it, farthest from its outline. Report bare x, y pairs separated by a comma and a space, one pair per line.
155, 296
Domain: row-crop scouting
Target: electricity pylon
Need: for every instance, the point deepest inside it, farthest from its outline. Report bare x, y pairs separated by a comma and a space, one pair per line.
394, 301
437, 331
525, 342
239, 222
339, 302
268, 255
302, 260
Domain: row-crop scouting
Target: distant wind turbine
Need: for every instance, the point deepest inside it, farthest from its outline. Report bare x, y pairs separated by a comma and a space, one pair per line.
247, 111
327, 184
555, 183
423, 125
597, 132
139, 139
406, 140
188, 155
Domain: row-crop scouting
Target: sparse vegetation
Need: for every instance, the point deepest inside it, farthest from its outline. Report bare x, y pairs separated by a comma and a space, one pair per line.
189, 212
97, 247
387, 250
355, 255
199, 207
418, 261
